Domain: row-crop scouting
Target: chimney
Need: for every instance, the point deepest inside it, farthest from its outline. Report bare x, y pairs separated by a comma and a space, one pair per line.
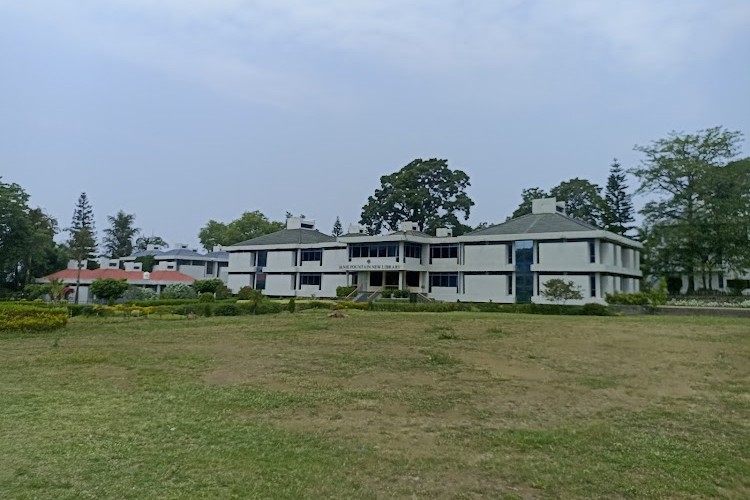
444, 232
408, 225
547, 206
299, 223
357, 229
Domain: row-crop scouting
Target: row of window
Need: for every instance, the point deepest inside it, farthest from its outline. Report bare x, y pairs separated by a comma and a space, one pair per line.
311, 255
359, 250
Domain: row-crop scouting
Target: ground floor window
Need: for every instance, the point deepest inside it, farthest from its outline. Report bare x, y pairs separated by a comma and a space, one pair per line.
376, 278
260, 281
310, 279
592, 280
444, 280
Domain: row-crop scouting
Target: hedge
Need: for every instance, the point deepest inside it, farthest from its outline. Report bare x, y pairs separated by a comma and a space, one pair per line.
25, 318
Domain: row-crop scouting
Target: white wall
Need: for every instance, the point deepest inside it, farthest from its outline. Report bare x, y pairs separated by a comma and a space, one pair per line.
241, 261
279, 260
564, 253
237, 281
279, 284
483, 288
485, 257
447, 294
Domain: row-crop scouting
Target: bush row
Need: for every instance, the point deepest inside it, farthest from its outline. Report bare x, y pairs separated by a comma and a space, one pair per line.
584, 310
26, 318
195, 309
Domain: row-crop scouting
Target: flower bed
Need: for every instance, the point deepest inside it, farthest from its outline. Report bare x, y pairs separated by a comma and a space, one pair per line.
28, 318
708, 303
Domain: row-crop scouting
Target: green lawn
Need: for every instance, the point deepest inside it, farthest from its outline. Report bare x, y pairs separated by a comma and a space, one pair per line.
374, 405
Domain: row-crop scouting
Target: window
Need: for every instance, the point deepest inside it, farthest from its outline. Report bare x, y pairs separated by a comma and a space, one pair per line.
509, 253
260, 281
444, 280
412, 279
444, 251
310, 279
592, 281
412, 251
312, 255
261, 258
365, 250
721, 281
592, 251
510, 285
209, 268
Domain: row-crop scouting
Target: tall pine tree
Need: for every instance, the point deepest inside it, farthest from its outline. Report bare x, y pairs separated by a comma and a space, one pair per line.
337, 229
82, 242
618, 203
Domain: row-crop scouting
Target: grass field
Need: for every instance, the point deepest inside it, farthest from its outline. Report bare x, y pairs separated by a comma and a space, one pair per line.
378, 405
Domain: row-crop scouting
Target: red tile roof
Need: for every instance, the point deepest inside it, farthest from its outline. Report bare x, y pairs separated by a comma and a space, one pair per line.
119, 274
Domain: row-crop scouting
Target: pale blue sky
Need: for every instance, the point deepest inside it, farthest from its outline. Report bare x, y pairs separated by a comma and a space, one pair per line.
181, 111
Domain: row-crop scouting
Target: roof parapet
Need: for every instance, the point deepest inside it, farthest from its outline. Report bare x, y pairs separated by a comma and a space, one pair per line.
547, 206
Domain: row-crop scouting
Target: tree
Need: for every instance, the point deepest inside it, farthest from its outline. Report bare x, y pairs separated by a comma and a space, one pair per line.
118, 238
15, 229
527, 196
82, 242
618, 203
560, 291
250, 225
178, 291
426, 192
109, 289
337, 229
582, 199
680, 170
143, 242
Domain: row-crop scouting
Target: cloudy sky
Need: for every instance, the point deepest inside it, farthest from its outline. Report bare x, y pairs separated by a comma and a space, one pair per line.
181, 111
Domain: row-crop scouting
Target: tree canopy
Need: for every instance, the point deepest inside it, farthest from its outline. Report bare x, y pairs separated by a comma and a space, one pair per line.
618, 203
527, 196
118, 237
27, 246
427, 192
696, 200
249, 225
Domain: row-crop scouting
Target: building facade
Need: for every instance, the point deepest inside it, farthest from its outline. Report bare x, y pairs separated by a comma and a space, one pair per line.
507, 263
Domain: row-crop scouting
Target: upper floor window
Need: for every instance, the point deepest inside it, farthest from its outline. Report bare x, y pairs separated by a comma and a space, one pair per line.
444, 280
412, 250
444, 251
367, 250
261, 258
592, 251
312, 255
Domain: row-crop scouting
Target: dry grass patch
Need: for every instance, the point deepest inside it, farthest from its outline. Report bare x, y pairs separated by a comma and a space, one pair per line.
379, 405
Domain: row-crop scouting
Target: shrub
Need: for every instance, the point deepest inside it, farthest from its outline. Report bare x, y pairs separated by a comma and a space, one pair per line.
268, 307
222, 292
387, 293
178, 291
246, 293
207, 286
32, 318
109, 289
135, 293
736, 287
34, 291
291, 305
206, 297
593, 309
659, 295
226, 310
628, 299
345, 304
344, 291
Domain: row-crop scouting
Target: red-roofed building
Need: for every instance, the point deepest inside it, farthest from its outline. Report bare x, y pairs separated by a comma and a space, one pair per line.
155, 280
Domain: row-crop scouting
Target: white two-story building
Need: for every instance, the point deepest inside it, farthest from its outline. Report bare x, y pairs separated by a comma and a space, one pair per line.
508, 263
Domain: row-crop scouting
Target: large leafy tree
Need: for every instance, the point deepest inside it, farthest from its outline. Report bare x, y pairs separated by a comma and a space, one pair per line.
427, 192
527, 196
249, 225
582, 199
27, 247
142, 242
82, 242
118, 237
15, 228
679, 171
618, 210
